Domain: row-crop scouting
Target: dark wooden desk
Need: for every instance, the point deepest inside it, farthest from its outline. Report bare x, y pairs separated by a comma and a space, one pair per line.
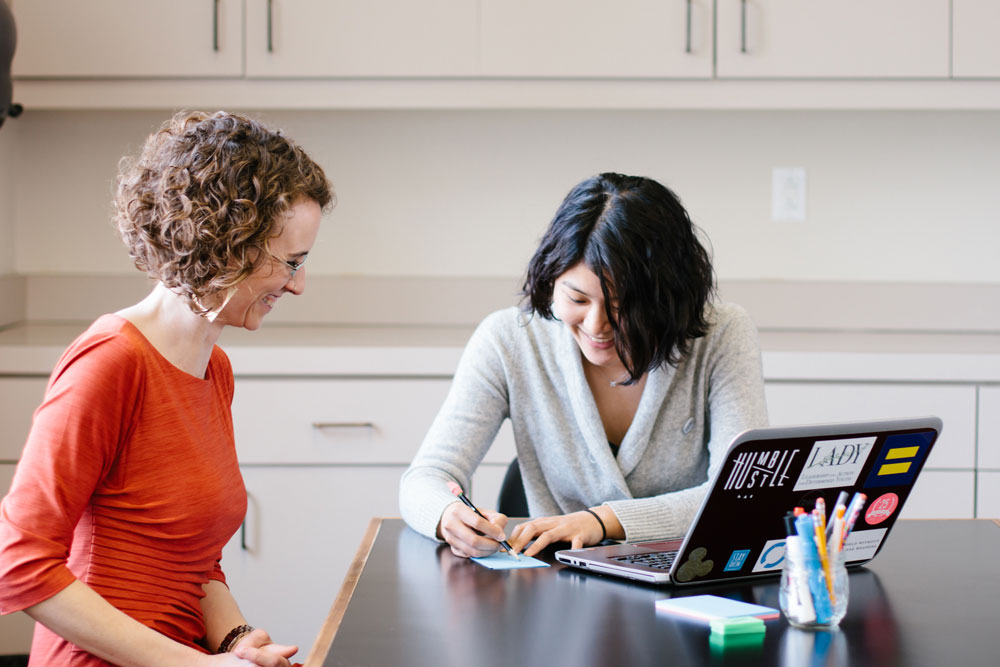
931, 598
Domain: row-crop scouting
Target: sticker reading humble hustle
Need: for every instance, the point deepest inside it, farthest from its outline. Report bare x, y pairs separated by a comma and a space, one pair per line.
754, 470
833, 463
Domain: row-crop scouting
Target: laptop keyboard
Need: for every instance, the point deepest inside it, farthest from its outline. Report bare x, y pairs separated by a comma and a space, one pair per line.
661, 560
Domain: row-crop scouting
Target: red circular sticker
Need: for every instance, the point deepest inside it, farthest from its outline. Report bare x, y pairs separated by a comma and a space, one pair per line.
881, 508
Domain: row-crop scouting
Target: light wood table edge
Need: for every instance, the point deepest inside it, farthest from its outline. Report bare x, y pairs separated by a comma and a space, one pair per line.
326, 633
997, 522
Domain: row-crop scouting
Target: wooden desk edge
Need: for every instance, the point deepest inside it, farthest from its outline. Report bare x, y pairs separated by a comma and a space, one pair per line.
326, 634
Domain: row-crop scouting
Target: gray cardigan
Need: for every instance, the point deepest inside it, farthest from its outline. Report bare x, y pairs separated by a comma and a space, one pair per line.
529, 370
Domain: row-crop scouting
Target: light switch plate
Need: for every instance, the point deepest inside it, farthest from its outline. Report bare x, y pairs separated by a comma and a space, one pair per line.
788, 194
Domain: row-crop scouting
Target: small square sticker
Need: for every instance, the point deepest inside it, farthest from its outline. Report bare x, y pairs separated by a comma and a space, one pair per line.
736, 560
772, 556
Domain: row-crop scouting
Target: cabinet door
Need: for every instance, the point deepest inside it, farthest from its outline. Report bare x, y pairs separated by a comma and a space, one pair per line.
833, 38
975, 48
18, 399
591, 38
303, 527
814, 402
15, 629
362, 38
989, 428
126, 38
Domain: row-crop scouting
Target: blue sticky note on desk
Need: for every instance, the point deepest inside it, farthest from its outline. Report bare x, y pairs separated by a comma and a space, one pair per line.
502, 560
709, 607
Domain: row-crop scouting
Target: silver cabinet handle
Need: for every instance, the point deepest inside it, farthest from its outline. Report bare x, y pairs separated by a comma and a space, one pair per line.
743, 26
215, 26
270, 26
243, 535
322, 425
687, 46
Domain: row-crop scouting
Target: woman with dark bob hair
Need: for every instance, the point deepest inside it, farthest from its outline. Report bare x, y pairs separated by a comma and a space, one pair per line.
112, 533
623, 382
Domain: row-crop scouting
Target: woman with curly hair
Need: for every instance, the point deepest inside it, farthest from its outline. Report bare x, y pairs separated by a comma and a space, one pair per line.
623, 383
112, 533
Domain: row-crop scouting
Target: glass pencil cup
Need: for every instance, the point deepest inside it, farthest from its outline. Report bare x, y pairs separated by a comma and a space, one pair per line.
811, 596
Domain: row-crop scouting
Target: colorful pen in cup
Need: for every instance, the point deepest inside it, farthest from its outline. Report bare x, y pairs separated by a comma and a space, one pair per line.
457, 491
853, 510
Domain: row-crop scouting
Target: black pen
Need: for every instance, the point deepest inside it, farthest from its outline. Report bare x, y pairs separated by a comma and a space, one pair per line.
457, 490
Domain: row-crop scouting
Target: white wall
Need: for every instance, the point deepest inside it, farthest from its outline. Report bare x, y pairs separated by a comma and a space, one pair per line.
893, 196
7, 159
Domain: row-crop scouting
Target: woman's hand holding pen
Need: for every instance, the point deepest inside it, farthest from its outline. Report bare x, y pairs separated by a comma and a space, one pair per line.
580, 529
469, 534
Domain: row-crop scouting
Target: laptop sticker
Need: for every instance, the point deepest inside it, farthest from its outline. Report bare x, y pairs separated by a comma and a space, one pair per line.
833, 463
736, 560
771, 556
881, 508
900, 459
695, 566
862, 544
756, 470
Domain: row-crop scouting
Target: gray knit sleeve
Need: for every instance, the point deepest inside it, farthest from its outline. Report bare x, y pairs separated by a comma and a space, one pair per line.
463, 430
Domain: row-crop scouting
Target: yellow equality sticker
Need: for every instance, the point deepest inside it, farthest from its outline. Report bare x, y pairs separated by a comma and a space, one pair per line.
894, 468
902, 453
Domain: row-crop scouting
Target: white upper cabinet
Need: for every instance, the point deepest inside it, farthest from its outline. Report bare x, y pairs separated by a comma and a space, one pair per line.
128, 38
649, 54
976, 49
595, 38
361, 38
833, 38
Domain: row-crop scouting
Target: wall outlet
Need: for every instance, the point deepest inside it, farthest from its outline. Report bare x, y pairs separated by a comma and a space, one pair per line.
788, 194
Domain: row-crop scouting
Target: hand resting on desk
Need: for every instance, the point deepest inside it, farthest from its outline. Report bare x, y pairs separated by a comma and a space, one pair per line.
468, 534
579, 529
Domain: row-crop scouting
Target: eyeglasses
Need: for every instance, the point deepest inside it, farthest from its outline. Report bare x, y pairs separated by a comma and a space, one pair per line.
294, 266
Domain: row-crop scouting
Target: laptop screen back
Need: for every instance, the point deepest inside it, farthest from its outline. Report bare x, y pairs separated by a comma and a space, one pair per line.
740, 531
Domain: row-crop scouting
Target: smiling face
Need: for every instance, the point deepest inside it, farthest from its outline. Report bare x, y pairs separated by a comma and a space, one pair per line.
255, 297
578, 302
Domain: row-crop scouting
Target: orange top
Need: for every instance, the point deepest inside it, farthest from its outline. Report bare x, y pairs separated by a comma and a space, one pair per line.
128, 482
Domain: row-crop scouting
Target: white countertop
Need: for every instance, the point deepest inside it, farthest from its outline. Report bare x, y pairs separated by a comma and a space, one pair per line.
33, 349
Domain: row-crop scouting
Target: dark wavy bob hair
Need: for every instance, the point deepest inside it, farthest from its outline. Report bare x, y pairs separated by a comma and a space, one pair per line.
198, 206
635, 235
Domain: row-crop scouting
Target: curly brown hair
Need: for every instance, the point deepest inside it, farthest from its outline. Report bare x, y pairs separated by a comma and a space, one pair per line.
206, 191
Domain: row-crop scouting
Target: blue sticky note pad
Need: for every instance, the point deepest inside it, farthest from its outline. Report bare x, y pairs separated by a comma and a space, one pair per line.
502, 560
708, 607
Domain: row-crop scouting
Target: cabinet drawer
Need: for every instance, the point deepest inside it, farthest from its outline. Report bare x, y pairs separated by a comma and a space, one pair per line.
19, 397
353, 421
988, 495
942, 494
989, 427
813, 402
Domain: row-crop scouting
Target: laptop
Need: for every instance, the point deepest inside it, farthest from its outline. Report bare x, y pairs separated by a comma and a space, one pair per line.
739, 531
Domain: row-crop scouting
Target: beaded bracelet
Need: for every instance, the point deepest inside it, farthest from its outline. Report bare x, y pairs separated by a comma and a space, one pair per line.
604, 531
233, 637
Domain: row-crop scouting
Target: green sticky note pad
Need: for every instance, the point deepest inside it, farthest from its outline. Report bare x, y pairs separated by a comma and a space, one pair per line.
719, 643
502, 560
740, 625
